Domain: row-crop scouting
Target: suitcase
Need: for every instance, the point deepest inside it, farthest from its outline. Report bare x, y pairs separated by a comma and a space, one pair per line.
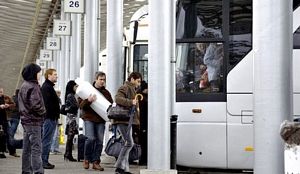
80, 145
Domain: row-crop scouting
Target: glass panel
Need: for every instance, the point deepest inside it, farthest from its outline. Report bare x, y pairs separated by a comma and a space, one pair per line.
296, 4
240, 39
140, 51
199, 67
140, 60
296, 39
141, 67
199, 19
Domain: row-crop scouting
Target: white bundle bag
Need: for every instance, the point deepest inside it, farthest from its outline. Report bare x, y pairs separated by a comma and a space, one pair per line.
101, 104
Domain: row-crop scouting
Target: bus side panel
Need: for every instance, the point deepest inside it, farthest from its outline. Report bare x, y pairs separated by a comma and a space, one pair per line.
240, 78
201, 144
240, 104
240, 142
296, 82
296, 70
210, 111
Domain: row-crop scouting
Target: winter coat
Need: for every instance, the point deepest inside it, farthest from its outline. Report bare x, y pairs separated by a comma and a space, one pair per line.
124, 97
12, 106
51, 100
71, 104
72, 110
30, 99
88, 114
3, 117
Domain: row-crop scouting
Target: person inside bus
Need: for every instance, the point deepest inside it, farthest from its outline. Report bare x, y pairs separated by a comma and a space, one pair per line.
203, 83
213, 59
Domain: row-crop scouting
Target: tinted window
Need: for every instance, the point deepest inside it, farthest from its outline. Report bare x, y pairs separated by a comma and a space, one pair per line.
140, 60
199, 68
240, 33
199, 19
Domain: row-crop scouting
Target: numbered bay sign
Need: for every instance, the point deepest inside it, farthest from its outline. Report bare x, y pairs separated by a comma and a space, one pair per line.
42, 64
45, 55
62, 27
74, 6
53, 43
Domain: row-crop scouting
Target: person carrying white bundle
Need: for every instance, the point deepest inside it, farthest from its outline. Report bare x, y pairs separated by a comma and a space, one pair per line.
94, 124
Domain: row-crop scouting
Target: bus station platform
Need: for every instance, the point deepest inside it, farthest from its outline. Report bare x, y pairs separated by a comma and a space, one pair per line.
12, 165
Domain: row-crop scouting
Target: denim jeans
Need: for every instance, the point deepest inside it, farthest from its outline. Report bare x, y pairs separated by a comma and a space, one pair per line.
13, 144
94, 142
32, 150
123, 157
14, 123
48, 132
55, 144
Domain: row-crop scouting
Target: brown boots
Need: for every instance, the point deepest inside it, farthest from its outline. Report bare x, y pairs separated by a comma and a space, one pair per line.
96, 165
86, 164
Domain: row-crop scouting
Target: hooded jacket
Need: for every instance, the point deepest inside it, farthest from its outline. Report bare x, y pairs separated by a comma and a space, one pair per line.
30, 99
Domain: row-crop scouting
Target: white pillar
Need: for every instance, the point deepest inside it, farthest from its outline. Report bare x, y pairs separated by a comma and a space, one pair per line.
75, 49
173, 57
115, 58
91, 40
67, 52
272, 45
57, 67
161, 45
78, 46
61, 75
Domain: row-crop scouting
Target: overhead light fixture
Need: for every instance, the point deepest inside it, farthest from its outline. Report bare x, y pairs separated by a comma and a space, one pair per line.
1, 6
140, 0
24, 1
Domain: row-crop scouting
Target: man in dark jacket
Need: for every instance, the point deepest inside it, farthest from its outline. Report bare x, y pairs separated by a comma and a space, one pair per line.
32, 111
52, 114
94, 125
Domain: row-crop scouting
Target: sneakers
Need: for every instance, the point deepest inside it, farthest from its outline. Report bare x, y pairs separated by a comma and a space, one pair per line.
55, 153
48, 166
86, 164
96, 166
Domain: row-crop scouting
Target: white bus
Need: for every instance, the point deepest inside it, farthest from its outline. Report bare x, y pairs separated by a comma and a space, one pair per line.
214, 75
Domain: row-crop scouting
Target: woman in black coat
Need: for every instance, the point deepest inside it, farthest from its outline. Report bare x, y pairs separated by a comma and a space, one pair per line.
71, 106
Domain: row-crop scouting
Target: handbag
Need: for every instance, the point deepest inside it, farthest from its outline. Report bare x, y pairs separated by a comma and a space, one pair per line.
114, 146
118, 113
135, 153
63, 110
